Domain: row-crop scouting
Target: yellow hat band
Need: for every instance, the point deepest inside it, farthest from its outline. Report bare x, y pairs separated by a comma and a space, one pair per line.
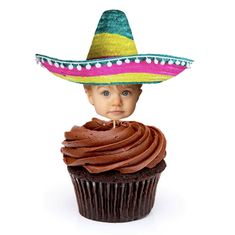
109, 45
118, 78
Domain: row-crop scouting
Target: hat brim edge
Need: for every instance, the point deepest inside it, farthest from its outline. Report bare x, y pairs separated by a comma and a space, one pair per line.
92, 62
63, 68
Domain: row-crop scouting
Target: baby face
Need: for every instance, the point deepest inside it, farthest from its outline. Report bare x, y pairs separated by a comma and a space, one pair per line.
114, 102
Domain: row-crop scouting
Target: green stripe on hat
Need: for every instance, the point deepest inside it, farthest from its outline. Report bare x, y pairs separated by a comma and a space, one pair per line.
115, 22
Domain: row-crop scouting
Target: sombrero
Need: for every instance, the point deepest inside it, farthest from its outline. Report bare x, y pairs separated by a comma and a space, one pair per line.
113, 58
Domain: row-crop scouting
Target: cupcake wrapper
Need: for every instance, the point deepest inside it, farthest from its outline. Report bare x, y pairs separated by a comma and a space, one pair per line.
115, 202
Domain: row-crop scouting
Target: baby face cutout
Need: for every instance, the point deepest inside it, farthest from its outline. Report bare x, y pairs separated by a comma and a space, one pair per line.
114, 102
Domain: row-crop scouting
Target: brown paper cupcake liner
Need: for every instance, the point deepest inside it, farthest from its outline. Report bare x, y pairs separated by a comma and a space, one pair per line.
119, 201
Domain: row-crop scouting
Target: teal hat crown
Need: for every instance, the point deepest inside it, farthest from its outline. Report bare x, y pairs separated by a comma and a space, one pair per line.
115, 22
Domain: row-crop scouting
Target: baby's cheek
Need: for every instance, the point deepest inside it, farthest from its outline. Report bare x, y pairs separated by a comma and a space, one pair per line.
131, 109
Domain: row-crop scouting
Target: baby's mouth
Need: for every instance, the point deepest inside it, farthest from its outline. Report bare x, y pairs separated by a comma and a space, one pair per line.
116, 112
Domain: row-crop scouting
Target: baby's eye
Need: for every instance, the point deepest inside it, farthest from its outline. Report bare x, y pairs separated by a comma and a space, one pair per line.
105, 93
126, 93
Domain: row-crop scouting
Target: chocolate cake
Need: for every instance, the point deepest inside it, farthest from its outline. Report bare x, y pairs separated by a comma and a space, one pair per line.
114, 171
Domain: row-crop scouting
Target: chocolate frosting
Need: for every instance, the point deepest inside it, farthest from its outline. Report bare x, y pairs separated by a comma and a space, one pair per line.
129, 147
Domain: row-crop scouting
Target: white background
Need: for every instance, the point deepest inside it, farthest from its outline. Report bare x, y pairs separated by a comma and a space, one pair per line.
195, 111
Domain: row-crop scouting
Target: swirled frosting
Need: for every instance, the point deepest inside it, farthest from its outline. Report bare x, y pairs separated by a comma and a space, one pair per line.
128, 148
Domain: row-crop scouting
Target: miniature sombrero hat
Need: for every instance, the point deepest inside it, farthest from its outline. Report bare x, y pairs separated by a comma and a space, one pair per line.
113, 58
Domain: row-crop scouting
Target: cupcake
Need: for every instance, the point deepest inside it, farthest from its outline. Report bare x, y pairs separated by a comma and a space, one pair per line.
114, 171
115, 165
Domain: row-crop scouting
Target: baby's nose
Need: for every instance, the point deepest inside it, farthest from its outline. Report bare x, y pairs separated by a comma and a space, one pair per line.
117, 101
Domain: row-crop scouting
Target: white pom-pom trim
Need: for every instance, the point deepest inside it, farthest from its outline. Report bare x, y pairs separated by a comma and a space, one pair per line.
79, 67
155, 61
109, 64
88, 66
70, 67
119, 62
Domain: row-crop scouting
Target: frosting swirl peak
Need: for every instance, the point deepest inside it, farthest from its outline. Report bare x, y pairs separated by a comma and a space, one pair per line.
99, 147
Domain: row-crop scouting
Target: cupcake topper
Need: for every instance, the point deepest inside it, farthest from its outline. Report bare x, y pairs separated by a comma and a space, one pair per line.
113, 60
